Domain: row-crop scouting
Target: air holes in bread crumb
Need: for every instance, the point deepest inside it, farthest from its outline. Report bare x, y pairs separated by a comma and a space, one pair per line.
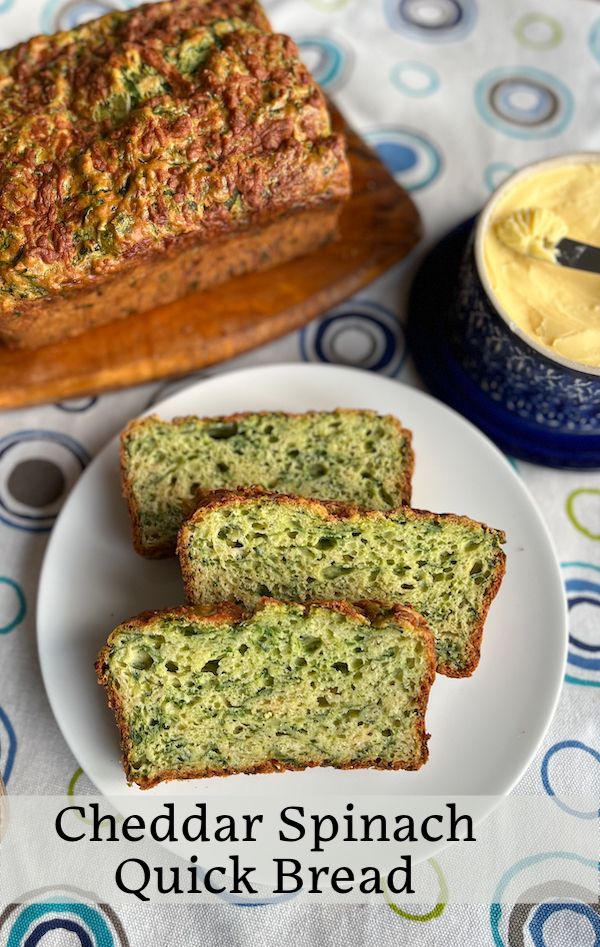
221, 432
333, 572
311, 644
326, 542
142, 661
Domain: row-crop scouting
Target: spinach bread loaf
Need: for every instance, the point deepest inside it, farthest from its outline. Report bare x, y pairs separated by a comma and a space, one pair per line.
243, 544
151, 153
167, 466
201, 692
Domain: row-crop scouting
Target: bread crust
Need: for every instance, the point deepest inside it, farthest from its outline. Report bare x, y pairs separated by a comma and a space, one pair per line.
187, 265
332, 511
279, 181
229, 612
404, 481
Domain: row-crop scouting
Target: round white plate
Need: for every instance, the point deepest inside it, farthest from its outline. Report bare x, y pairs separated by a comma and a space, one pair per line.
484, 729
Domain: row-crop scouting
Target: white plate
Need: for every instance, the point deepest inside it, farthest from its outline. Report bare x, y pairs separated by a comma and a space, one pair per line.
485, 729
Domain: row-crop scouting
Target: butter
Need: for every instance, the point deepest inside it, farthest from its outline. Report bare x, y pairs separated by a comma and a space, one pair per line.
534, 231
556, 306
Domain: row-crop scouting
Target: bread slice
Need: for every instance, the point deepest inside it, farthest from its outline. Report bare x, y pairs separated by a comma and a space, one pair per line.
249, 543
166, 466
209, 692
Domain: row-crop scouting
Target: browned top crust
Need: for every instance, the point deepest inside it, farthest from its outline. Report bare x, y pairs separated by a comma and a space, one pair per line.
242, 415
141, 128
327, 509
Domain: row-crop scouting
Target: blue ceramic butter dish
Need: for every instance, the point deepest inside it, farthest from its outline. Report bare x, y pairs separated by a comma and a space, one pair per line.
533, 403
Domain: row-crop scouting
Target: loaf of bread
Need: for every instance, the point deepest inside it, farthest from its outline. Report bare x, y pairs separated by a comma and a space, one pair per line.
167, 466
240, 545
151, 153
208, 693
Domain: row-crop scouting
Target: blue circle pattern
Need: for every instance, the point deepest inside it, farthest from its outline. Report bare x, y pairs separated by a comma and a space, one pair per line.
536, 113
76, 405
389, 340
35, 523
410, 156
35, 920
331, 59
431, 21
8, 749
549, 114
21, 605
419, 68
594, 40
583, 586
496, 172
260, 902
59, 924
558, 748
583, 589
542, 911
65, 15
379, 325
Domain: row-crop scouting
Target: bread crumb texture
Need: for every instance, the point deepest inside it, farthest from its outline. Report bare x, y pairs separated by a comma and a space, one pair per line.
356, 456
288, 687
447, 567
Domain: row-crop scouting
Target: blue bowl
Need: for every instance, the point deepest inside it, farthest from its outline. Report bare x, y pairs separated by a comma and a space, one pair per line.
535, 406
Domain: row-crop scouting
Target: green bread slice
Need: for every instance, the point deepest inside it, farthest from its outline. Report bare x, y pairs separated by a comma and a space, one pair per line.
210, 692
241, 545
167, 466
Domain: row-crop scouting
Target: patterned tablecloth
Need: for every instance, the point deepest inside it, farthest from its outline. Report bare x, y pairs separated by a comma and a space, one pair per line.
453, 94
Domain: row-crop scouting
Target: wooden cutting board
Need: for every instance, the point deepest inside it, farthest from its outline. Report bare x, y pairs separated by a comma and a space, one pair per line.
378, 226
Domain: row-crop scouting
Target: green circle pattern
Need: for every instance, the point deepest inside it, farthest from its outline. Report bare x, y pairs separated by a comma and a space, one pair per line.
570, 508
328, 5
531, 19
73, 781
439, 907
